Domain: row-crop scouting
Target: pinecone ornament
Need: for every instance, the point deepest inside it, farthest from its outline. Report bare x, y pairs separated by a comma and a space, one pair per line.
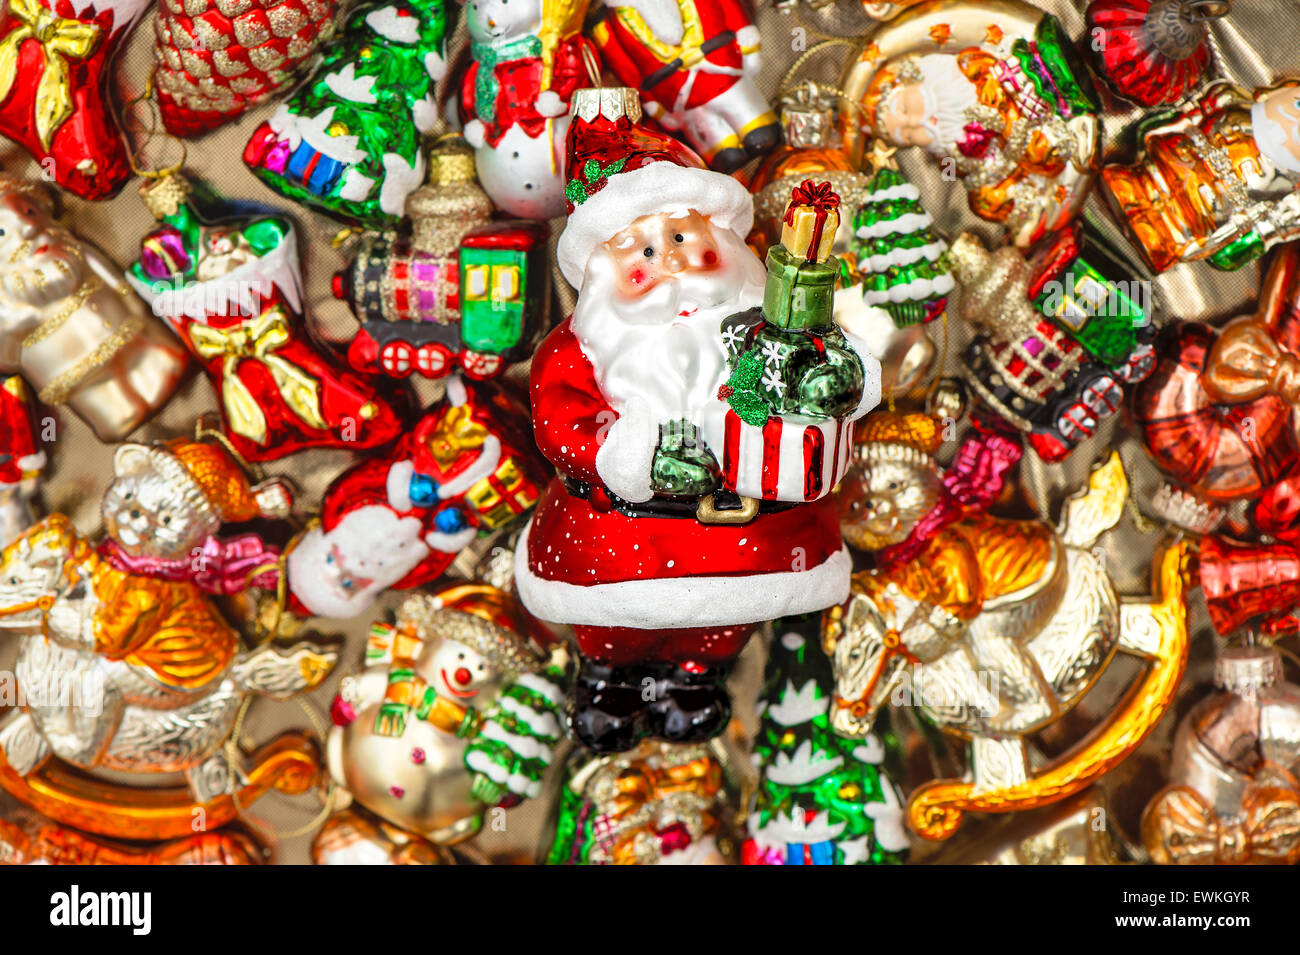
218, 58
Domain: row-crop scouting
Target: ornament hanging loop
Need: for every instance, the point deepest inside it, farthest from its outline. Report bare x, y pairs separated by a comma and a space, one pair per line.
1198, 11
132, 125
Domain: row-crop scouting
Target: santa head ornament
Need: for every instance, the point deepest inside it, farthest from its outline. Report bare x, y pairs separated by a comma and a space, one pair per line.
619, 171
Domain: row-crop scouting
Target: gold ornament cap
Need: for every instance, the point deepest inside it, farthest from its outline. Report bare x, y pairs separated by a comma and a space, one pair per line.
450, 203
165, 195
612, 102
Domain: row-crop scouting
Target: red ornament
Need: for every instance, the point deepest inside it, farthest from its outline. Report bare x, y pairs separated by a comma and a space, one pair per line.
1151, 51
279, 392
398, 520
1245, 582
55, 59
218, 58
1221, 451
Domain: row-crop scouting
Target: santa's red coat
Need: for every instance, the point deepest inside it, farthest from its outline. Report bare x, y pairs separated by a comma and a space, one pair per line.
633, 60
582, 562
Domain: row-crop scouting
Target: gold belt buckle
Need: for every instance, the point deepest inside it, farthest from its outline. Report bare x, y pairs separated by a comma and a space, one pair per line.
706, 513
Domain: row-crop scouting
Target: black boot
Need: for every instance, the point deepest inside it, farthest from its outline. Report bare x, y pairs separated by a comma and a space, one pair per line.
729, 160
690, 706
608, 711
763, 139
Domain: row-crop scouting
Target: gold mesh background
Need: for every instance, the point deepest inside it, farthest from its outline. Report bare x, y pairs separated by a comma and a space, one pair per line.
1254, 46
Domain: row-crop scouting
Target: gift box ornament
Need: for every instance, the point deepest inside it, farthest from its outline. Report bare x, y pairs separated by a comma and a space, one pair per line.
794, 377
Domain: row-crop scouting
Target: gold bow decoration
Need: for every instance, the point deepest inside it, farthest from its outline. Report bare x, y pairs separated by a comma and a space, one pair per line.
257, 340
456, 434
60, 39
1181, 827
1246, 362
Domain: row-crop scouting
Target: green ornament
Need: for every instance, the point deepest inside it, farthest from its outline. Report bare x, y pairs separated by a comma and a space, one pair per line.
349, 143
512, 746
903, 262
742, 390
822, 799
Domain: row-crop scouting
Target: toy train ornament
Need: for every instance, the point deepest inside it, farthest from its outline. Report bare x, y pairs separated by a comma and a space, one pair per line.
1061, 337
456, 289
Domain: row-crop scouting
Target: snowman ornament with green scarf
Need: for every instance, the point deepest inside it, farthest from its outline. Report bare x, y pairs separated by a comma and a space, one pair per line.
457, 712
349, 143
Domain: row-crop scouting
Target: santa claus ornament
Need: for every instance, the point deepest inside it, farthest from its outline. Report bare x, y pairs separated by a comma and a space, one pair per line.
674, 525
398, 520
72, 328
696, 65
349, 142
231, 289
529, 57
996, 94
1215, 180
56, 57
215, 59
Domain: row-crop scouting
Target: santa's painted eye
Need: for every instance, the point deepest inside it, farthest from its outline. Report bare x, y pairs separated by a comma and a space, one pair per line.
893, 485
167, 518
648, 252
679, 238
460, 656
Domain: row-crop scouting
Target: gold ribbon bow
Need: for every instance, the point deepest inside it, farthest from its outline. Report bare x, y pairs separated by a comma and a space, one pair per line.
257, 340
1181, 827
1246, 362
59, 40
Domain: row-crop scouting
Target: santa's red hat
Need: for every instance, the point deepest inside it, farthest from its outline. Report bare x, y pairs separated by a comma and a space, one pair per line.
619, 171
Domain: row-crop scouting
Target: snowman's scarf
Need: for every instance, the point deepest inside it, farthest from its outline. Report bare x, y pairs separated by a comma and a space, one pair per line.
970, 484
488, 55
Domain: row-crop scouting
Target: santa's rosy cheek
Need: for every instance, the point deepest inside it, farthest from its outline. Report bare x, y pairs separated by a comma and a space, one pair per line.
636, 277
710, 258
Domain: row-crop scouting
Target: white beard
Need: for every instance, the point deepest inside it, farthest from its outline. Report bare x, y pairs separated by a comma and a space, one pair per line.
948, 94
645, 348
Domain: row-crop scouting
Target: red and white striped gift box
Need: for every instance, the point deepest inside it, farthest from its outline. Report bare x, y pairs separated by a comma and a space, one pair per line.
790, 458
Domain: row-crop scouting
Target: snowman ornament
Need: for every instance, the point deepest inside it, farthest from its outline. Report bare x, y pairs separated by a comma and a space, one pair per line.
457, 711
529, 57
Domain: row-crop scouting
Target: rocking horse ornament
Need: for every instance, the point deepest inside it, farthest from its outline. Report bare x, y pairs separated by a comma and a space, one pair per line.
995, 628
126, 665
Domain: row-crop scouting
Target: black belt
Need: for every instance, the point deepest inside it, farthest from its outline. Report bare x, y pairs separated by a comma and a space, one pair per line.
725, 38
723, 501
